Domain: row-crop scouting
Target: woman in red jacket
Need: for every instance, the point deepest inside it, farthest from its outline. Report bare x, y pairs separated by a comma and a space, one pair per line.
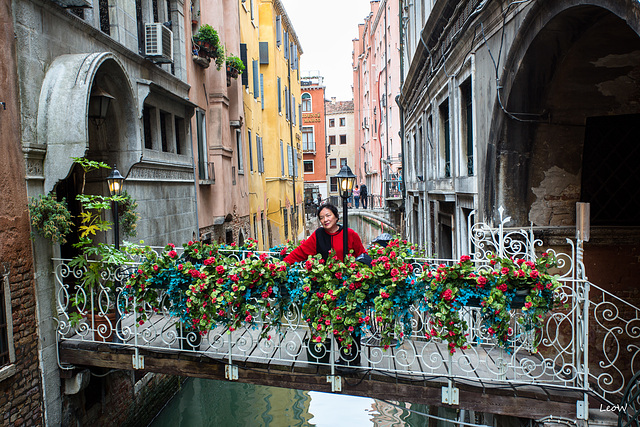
327, 237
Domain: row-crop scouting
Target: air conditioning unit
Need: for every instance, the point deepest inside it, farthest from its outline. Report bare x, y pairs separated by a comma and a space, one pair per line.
158, 42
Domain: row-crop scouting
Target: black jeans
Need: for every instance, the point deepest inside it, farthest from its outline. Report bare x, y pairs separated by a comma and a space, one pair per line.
364, 199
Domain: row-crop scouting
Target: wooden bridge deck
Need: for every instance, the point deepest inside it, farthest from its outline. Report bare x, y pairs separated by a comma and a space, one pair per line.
394, 374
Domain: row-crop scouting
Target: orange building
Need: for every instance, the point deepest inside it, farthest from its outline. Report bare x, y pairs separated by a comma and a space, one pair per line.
313, 138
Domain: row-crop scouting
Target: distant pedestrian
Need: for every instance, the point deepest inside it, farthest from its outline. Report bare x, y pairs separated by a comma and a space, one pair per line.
364, 195
319, 199
356, 195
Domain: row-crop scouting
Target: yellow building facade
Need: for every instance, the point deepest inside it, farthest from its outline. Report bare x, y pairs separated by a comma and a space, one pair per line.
271, 93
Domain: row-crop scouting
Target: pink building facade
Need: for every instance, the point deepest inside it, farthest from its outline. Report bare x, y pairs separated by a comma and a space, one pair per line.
376, 84
218, 131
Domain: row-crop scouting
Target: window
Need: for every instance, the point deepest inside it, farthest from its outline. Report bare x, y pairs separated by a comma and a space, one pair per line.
332, 123
282, 156
179, 133
306, 103
240, 151
243, 57
333, 163
164, 131
201, 134
334, 185
290, 159
278, 31
332, 140
308, 166
343, 161
285, 222
7, 353
279, 96
445, 138
250, 151
149, 121
343, 121
260, 154
343, 139
308, 143
467, 125
262, 90
256, 79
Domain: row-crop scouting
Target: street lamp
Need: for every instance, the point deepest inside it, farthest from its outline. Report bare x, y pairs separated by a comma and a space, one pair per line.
115, 181
346, 181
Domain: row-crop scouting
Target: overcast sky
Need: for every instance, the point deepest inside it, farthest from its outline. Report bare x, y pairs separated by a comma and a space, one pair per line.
325, 29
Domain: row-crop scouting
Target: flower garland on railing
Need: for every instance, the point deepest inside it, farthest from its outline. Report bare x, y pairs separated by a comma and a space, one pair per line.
494, 288
207, 286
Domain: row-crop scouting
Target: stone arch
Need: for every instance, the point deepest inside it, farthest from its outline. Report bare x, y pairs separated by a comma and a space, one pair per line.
571, 62
63, 115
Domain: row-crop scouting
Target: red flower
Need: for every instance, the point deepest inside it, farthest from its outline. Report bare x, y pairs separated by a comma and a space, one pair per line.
172, 254
504, 270
465, 258
220, 269
502, 287
447, 295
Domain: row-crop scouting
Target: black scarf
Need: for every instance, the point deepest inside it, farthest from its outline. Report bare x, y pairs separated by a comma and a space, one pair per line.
323, 242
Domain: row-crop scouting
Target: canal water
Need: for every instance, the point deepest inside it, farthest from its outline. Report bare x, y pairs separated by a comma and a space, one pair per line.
203, 402
212, 403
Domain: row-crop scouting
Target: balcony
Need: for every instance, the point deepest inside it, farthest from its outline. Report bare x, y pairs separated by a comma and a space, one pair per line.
206, 173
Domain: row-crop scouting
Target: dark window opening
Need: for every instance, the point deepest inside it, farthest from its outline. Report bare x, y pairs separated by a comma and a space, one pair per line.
154, 5
343, 139
147, 114
444, 115
467, 123
103, 6
179, 130
610, 170
163, 131
228, 238
285, 215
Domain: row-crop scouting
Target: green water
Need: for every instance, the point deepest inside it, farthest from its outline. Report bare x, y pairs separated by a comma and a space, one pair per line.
203, 402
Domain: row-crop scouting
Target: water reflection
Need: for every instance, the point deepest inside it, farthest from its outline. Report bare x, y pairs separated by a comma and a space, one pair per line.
367, 228
220, 403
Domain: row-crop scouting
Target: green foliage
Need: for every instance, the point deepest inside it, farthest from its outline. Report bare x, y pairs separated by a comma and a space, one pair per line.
235, 62
208, 42
50, 217
127, 206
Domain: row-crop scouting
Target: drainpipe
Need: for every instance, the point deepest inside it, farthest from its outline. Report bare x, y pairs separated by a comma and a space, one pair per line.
386, 94
196, 178
295, 158
402, 151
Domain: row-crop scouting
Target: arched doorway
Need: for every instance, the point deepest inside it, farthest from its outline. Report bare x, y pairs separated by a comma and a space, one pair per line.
570, 125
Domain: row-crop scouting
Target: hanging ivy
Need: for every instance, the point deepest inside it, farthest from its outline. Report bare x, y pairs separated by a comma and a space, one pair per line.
50, 217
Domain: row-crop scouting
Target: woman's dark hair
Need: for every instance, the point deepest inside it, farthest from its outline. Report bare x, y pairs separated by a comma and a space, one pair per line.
329, 206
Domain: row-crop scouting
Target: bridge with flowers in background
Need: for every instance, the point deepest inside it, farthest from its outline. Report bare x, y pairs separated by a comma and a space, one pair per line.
439, 332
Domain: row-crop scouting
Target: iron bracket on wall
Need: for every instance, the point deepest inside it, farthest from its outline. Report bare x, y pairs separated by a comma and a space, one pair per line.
336, 382
231, 372
451, 394
138, 361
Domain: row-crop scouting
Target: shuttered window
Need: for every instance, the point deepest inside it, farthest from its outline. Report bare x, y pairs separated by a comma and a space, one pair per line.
243, 57
256, 80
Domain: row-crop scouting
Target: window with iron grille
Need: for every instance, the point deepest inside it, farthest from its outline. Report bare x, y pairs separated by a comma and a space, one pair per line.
445, 138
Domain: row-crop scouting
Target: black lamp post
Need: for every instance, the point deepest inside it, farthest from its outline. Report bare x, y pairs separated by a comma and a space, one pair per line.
346, 181
115, 181
99, 102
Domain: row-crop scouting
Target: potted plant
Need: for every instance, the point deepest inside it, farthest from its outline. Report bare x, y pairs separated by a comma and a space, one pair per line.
235, 66
207, 44
50, 217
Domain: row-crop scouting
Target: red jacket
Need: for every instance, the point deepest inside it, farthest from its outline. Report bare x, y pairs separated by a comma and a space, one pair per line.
309, 246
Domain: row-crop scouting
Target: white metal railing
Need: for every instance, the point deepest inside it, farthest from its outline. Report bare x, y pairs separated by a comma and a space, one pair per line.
591, 345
